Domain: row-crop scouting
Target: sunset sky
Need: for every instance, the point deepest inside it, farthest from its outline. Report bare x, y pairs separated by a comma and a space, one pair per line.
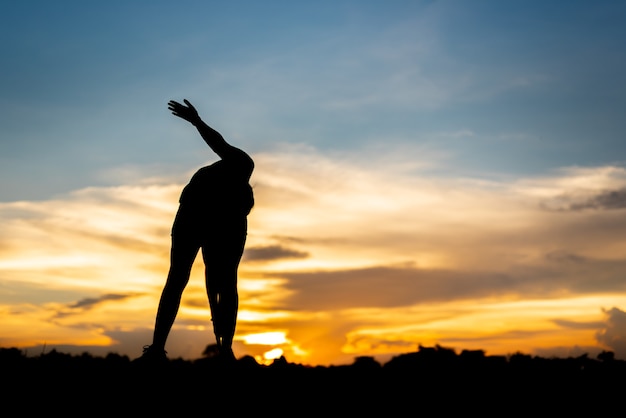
427, 172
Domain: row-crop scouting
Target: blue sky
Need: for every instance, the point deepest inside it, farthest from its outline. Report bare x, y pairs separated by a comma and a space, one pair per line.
499, 88
426, 172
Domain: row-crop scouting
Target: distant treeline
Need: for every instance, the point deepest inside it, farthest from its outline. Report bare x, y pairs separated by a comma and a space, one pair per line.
431, 377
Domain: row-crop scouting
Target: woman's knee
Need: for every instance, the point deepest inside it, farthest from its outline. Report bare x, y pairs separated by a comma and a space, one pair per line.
177, 279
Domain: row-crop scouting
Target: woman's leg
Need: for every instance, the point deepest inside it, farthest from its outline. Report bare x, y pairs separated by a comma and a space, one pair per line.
182, 256
224, 301
221, 255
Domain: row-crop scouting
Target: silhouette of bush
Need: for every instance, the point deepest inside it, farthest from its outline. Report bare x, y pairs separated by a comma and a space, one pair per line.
430, 374
606, 356
366, 363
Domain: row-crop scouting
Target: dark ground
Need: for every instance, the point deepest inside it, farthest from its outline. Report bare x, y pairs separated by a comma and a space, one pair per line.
433, 380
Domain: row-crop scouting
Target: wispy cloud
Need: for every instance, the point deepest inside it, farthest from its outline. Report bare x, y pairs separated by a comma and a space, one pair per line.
272, 252
82, 306
344, 256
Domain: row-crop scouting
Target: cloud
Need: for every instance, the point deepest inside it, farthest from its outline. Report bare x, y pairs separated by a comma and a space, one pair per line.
613, 333
579, 189
366, 245
392, 286
82, 306
89, 303
111, 237
612, 199
272, 252
387, 287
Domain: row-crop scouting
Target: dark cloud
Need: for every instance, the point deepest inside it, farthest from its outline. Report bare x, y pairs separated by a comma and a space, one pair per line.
272, 252
613, 199
86, 304
89, 303
568, 273
606, 200
386, 286
613, 333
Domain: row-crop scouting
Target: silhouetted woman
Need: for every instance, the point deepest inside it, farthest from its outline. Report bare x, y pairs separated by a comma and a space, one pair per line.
212, 217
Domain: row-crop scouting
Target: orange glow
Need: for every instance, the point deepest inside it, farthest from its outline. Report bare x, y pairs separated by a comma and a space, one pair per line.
465, 264
273, 354
265, 338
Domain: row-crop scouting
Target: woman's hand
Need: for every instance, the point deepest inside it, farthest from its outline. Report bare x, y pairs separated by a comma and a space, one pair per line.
189, 113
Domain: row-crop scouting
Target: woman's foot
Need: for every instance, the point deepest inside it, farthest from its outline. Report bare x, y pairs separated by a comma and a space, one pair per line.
152, 355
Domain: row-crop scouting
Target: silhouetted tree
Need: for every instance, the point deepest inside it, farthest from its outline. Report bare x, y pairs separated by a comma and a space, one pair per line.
366, 363
606, 356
